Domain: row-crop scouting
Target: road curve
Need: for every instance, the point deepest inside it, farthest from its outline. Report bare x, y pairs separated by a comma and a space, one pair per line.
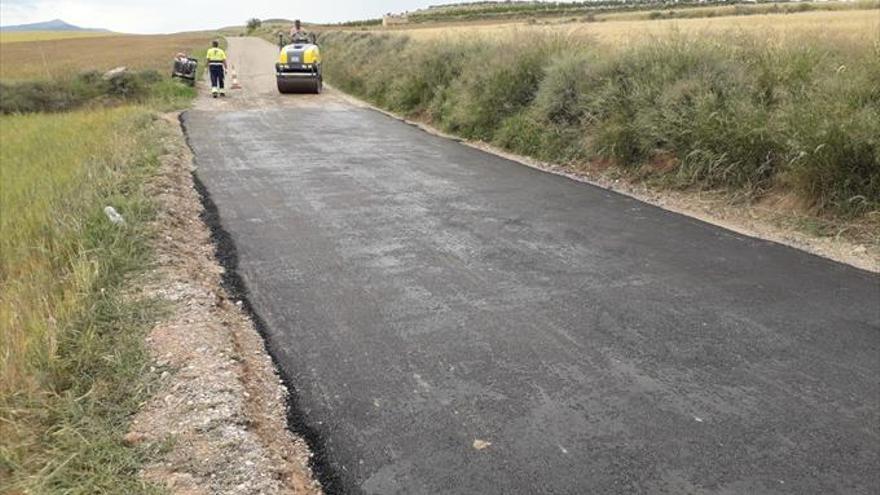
453, 322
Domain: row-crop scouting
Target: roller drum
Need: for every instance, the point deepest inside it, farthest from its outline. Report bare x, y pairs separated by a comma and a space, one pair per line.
292, 85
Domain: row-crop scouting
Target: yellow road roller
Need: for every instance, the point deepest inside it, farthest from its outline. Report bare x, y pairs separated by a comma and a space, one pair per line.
299, 68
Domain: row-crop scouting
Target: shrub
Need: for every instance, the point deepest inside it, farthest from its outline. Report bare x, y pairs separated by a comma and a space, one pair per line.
57, 96
253, 24
566, 81
500, 81
528, 134
426, 72
839, 167
35, 97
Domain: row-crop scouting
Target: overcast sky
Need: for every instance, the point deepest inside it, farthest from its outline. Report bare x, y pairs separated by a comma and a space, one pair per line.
166, 16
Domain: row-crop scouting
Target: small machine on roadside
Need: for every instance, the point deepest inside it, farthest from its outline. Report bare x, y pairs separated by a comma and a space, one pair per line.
299, 68
185, 69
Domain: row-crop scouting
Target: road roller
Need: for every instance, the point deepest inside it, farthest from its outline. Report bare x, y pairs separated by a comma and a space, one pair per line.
299, 68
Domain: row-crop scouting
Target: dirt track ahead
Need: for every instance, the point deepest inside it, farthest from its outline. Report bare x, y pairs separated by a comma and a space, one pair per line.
456, 323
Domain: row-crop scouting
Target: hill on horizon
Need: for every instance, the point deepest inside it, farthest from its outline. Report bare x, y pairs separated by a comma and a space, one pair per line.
53, 25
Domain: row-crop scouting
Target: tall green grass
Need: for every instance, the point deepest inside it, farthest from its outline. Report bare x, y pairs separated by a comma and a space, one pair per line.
72, 357
71, 345
750, 116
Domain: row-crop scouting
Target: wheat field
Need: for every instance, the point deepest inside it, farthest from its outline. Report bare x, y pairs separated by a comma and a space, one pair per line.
62, 58
854, 24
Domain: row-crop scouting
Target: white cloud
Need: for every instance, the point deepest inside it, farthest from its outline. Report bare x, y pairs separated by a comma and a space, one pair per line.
163, 16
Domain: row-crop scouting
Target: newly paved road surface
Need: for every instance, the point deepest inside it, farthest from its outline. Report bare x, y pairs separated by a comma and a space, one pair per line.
422, 295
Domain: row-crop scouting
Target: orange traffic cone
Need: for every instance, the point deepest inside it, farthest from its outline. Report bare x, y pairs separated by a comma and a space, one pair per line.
235, 84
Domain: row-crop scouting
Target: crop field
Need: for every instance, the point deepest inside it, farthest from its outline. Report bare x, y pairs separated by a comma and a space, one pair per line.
23, 36
61, 59
855, 24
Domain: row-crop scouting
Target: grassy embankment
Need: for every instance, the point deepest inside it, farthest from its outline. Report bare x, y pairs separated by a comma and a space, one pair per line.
72, 361
794, 116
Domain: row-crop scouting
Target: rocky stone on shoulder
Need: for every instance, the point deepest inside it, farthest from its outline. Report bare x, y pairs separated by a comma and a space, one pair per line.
115, 73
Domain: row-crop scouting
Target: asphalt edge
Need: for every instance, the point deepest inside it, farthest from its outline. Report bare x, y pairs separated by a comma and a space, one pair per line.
226, 254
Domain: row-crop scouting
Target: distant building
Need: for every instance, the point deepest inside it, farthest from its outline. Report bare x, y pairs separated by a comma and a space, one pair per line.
395, 19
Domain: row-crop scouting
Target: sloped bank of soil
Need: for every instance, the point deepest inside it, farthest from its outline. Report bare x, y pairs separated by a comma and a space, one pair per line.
220, 411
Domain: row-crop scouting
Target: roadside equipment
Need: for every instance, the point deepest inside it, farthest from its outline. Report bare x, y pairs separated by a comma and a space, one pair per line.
235, 83
185, 69
299, 68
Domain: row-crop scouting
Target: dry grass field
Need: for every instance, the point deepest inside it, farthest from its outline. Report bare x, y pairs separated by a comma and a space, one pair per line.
61, 58
24, 36
855, 24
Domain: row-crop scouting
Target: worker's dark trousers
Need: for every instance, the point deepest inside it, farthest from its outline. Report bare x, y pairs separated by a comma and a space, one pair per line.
216, 76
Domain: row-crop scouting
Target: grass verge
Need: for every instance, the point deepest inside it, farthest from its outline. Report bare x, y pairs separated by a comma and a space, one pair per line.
72, 356
73, 359
751, 117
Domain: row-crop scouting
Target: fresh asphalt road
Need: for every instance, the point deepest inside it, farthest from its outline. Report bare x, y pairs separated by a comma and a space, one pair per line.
421, 295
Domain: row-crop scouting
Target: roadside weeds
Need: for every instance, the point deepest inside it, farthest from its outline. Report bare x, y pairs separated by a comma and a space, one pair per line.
71, 339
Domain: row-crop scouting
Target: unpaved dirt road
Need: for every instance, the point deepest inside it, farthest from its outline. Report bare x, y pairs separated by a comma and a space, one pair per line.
456, 323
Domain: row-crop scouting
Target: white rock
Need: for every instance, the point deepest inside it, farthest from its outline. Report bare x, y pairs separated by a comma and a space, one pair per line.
110, 74
114, 216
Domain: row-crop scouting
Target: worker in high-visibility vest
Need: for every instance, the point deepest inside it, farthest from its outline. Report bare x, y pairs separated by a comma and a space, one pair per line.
298, 35
217, 67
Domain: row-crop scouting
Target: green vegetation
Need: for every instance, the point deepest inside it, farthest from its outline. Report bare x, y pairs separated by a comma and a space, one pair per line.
91, 88
73, 361
253, 24
750, 116
73, 367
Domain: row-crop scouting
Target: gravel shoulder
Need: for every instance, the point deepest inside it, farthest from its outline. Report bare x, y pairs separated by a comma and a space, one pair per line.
219, 413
